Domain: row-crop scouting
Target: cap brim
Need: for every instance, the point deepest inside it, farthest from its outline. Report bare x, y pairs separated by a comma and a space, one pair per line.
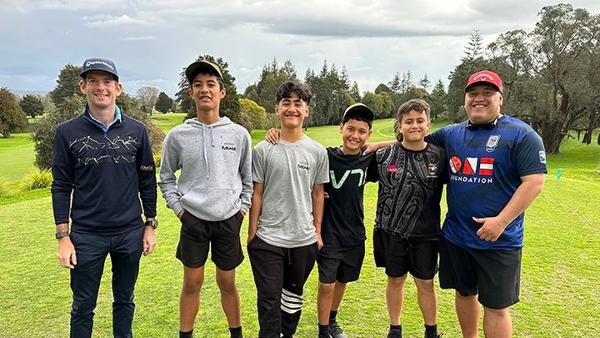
481, 83
115, 76
202, 67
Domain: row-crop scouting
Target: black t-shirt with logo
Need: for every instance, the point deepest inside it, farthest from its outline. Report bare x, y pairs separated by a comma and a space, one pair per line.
410, 189
343, 216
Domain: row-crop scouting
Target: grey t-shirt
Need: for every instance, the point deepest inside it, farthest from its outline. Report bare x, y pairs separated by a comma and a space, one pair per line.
288, 171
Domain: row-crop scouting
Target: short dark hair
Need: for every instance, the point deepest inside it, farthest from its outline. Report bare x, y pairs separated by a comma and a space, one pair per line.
208, 72
287, 88
417, 105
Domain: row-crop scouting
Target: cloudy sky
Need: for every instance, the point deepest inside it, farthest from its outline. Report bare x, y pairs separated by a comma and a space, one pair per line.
151, 41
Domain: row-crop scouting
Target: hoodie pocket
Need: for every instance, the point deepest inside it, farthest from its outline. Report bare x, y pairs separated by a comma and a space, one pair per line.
216, 202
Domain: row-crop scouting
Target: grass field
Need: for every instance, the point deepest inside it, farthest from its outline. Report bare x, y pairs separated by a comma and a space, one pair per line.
560, 284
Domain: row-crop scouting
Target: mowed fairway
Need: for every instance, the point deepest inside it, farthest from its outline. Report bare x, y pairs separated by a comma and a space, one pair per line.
560, 284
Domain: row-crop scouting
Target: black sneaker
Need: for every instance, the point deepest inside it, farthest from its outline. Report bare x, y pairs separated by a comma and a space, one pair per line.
335, 331
436, 336
394, 334
324, 336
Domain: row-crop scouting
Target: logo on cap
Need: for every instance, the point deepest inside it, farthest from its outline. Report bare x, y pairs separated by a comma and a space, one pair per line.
485, 76
99, 62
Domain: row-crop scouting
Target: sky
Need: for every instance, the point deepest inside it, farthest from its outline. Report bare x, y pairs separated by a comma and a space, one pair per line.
152, 41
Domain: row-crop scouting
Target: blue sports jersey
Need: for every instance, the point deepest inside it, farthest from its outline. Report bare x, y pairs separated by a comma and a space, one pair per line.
485, 165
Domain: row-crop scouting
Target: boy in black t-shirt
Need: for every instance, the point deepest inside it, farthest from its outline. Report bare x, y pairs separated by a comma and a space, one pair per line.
343, 229
407, 225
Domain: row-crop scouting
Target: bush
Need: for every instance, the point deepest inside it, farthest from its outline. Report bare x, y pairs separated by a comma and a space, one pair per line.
12, 117
37, 179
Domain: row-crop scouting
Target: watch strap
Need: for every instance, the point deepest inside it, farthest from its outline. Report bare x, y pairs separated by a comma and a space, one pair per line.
61, 234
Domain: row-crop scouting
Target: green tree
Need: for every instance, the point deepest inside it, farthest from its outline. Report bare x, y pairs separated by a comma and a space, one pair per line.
424, 82
416, 93
381, 88
394, 85
387, 104
230, 105
437, 99
474, 48
354, 92
271, 77
67, 84
164, 103
561, 41
12, 117
376, 103
32, 105
252, 116
331, 95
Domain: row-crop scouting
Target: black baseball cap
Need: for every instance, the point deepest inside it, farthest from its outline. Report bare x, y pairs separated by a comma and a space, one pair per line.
99, 64
359, 110
202, 66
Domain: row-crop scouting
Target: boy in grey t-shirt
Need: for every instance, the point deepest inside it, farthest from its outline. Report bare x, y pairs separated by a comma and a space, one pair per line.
284, 232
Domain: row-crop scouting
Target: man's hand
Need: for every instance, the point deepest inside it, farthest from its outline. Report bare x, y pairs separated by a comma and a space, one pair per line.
272, 136
319, 242
180, 214
66, 253
492, 228
149, 240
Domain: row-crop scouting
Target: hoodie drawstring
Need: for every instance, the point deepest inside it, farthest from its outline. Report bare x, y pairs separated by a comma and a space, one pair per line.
204, 153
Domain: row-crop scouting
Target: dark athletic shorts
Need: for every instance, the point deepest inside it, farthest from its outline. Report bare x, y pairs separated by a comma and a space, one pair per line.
198, 235
342, 265
399, 255
494, 275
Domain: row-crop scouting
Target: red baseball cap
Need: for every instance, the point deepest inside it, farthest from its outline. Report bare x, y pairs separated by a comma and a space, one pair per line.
485, 77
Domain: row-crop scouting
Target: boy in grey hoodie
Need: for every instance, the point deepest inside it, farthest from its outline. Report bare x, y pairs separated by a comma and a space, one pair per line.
211, 196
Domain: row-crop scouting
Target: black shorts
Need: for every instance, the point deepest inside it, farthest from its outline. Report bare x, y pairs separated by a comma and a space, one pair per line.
198, 235
342, 265
494, 275
399, 255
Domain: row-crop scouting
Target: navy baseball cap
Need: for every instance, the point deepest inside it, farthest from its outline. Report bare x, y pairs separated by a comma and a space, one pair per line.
103, 65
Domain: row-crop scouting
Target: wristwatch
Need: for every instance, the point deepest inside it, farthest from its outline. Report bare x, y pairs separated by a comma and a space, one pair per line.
61, 234
153, 223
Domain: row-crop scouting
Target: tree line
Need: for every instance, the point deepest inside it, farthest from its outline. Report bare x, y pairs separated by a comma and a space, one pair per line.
550, 74
550, 79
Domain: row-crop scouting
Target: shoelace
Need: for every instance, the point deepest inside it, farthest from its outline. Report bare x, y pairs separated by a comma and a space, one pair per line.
335, 329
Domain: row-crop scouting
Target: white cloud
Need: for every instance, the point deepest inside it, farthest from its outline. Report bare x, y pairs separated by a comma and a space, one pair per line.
104, 20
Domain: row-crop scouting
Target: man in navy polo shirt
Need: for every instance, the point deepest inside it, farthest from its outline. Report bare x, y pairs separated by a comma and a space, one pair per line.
496, 167
104, 159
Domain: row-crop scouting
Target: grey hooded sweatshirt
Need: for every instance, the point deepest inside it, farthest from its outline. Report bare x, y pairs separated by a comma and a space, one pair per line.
215, 163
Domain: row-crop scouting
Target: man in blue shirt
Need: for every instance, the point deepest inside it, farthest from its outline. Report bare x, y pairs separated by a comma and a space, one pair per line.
496, 167
102, 158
